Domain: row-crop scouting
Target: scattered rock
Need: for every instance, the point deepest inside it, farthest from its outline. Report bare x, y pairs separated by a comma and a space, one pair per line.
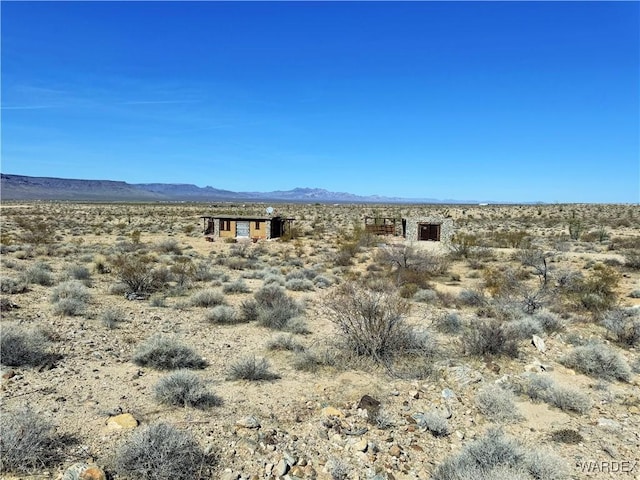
310, 472
289, 457
395, 451
370, 404
361, 445
281, 468
268, 468
82, 471
448, 394
332, 412
247, 445
229, 475
538, 343
124, 420
609, 424
464, 375
249, 421
297, 471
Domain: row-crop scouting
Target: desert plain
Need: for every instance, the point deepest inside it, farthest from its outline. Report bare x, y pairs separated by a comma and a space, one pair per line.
331, 353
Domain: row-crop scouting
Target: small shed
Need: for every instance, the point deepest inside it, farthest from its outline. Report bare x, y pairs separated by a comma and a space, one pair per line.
429, 229
245, 226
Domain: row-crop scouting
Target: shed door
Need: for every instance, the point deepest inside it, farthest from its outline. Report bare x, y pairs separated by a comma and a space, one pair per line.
242, 229
429, 231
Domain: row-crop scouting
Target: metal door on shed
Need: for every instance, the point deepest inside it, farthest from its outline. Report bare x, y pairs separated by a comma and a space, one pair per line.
242, 229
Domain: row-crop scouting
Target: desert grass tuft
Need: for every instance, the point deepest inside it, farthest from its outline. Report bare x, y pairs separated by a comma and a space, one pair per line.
167, 354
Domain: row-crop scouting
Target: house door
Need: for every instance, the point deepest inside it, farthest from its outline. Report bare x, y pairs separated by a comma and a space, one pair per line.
242, 229
429, 232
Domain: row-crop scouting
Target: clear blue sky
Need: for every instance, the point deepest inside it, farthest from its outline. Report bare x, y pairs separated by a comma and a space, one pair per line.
505, 101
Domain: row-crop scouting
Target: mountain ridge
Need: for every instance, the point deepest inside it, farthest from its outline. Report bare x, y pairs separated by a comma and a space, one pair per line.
23, 187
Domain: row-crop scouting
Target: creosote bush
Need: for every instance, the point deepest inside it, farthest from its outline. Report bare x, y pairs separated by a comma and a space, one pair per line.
596, 292
207, 298
222, 314
273, 308
448, 322
137, 273
184, 389
495, 456
489, 337
167, 354
285, 342
111, 317
372, 322
251, 368
14, 285
70, 298
435, 422
28, 442
40, 274
598, 360
162, 452
497, 404
237, 286
411, 264
624, 325
22, 347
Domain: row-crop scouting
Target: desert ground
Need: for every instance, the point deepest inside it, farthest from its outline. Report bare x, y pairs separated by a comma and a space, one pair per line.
131, 344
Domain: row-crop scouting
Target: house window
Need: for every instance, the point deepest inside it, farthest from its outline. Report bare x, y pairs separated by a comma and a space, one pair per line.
429, 232
257, 225
225, 225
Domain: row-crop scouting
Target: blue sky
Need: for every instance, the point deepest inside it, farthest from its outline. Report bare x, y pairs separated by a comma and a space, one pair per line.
503, 101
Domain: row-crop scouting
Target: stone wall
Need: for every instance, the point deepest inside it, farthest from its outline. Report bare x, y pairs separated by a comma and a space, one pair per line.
446, 228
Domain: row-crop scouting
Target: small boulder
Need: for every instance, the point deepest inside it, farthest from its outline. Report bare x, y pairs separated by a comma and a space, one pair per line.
124, 420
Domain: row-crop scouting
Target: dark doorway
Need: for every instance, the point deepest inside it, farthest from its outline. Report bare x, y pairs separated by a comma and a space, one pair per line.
429, 232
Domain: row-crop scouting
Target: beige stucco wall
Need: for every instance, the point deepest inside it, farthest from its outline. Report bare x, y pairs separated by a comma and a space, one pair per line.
260, 232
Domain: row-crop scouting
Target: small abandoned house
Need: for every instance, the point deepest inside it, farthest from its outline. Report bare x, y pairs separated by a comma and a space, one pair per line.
249, 227
429, 229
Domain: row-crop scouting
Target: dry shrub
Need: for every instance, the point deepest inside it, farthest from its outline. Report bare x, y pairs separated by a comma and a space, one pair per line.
624, 325
28, 442
137, 273
20, 347
167, 354
412, 265
162, 452
497, 404
251, 368
596, 292
495, 456
70, 298
184, 389
598, 360
489, 337
372, 322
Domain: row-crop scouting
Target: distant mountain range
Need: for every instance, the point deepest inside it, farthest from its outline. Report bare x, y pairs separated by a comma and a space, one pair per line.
21, 187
